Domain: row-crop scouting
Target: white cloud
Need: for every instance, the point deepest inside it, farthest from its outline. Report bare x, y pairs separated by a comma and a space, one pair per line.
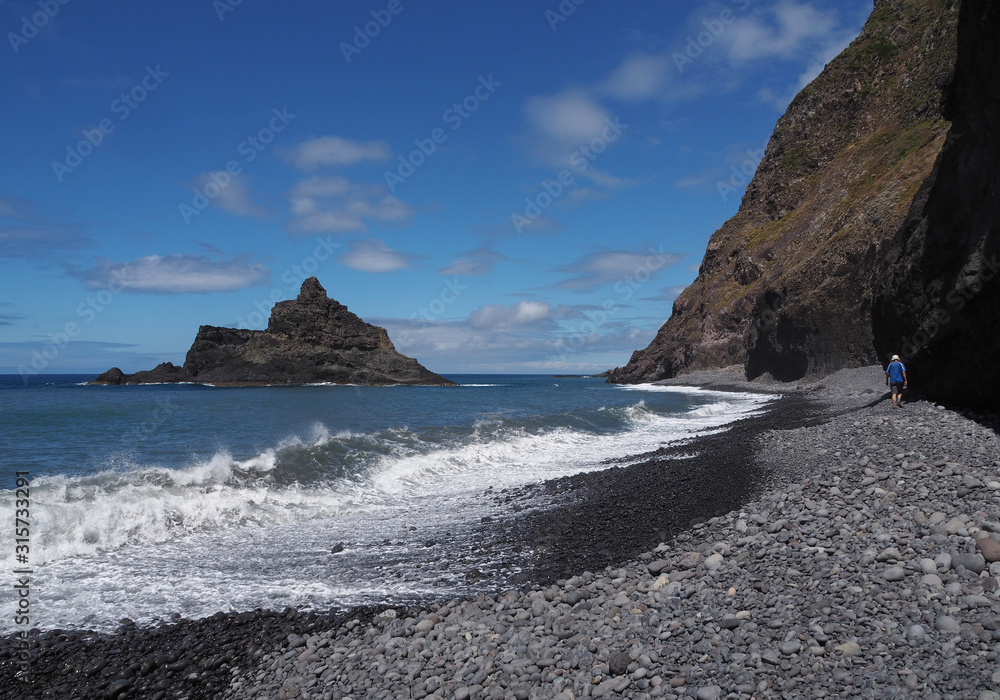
638, 77
783, 31
175, 274
570, 118
523, 313
337, 205
320, 186
574, 347
375, 256
333, 150
234, 197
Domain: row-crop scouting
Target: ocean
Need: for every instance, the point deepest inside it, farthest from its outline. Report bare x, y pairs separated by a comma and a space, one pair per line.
152, 500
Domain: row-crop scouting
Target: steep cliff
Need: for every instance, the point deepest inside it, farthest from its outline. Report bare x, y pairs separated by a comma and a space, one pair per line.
937, 302
786, 286
308, 339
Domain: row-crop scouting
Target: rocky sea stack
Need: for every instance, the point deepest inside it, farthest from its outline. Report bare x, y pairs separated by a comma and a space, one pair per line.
872, 224
309, 339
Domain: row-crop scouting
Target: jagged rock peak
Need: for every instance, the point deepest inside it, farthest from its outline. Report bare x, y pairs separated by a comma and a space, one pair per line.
309, 339
312, 289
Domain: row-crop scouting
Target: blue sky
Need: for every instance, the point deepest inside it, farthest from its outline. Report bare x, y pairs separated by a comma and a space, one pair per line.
506, 186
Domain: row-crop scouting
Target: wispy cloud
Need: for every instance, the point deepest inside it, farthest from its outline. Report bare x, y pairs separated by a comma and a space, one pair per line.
522, 314
667, 293
475, 262
235, 197
529, 337
333, 150
175, 274
608, 267
783, 31
569, 118
27, 235
337, 205
638, 77
375, 256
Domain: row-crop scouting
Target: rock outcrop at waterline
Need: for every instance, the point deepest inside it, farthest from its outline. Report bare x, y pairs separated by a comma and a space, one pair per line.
308, 339
867, 209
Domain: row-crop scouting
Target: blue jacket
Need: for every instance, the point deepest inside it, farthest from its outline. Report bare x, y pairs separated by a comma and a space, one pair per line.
895, 372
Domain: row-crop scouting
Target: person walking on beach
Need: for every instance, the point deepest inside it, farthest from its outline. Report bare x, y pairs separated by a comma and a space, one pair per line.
895, 377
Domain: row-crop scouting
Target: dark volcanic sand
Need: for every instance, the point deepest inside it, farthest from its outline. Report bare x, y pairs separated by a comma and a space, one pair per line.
607, 517
597, 519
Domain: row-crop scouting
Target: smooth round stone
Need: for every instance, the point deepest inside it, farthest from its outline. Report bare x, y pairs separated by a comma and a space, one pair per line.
915, 633
954, 526
928, 566
689, 560
714, 562
946, 623
931, 581
989, 548
709, 692
894, 573
790, 647
424, 626
849, 648
655, 567
729, 622
972, 562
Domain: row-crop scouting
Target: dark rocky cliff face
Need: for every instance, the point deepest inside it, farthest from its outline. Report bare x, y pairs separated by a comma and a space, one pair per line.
938, 300
311, 338
867, 198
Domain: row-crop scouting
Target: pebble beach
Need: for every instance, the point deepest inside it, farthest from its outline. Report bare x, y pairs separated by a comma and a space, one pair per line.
864, 562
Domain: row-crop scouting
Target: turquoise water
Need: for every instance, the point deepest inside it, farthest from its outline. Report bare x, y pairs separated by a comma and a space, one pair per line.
180, 498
